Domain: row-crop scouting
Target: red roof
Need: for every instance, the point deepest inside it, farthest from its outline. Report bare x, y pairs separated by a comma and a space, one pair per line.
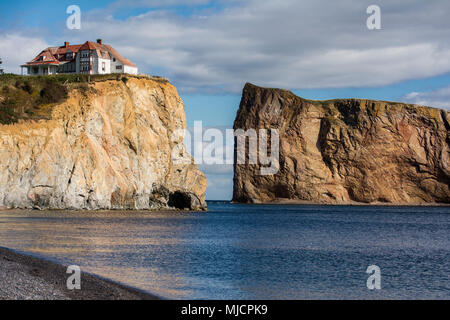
54, 55
88, 45
57, 55
117, 55
64, 50
45, 57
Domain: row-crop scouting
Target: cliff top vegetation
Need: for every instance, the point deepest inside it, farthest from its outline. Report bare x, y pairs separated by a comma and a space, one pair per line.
33, 97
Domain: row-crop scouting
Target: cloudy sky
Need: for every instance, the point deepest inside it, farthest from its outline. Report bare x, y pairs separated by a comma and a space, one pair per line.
209, 49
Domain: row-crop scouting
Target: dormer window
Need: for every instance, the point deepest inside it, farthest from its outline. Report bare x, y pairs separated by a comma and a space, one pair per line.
69, 55
89, 57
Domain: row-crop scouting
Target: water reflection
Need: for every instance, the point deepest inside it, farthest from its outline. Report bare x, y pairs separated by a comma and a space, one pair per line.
248, 252
115, 245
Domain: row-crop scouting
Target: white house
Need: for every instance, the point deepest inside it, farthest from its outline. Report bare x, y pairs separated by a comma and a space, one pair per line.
87, 58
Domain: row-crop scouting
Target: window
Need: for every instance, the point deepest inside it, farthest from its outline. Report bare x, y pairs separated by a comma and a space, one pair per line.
114, 59
118, 67
103, 66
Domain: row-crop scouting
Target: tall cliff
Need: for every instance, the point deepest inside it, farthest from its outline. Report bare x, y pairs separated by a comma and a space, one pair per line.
346, 151
108, 145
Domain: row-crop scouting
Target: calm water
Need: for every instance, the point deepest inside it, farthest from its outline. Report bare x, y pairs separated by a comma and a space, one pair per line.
250, 252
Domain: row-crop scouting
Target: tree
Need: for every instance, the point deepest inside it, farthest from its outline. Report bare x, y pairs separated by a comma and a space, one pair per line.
1, 70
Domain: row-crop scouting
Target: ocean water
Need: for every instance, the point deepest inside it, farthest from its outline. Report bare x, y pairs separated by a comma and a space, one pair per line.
249, 252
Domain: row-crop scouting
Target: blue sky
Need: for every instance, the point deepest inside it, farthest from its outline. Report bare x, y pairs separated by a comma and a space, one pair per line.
210, 49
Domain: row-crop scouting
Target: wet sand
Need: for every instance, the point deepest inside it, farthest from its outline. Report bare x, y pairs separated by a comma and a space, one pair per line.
24, 277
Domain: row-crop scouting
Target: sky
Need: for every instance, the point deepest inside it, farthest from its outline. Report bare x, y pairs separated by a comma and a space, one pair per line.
209, 49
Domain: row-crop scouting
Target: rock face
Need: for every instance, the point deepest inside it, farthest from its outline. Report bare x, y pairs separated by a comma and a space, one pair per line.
346, 151
108, 147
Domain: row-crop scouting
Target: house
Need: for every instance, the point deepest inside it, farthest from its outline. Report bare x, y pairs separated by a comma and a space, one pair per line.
87, 58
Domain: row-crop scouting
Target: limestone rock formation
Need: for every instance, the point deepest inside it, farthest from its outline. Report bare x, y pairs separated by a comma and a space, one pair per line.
108, 146
346, 151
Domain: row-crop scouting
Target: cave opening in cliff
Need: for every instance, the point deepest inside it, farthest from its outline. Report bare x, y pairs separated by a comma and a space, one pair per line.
179, 200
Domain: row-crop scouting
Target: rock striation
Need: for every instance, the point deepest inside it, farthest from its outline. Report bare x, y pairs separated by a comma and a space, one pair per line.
346, 151
108, 146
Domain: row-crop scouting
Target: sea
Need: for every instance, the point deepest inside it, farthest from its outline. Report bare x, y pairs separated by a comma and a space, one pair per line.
250, 252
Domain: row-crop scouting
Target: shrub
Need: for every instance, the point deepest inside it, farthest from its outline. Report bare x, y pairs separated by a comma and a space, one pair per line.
83, 87
27, 87
53, 92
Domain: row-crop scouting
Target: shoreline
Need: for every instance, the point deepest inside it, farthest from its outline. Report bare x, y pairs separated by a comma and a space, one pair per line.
105, 210
280, 202
346, 204
26, 277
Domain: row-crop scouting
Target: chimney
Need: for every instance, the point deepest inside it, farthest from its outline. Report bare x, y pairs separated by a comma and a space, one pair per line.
99, 41
66, 44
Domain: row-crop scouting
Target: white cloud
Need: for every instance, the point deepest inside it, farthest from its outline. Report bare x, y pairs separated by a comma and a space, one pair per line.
290, 44
16, 50
220, 176
157, 3
438, 98
220, 181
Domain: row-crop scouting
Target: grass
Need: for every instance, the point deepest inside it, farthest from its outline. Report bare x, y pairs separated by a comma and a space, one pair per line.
33, 97
10, 79
28, 98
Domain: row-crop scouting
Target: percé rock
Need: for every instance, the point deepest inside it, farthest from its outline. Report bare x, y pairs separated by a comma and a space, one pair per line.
107, 147
346, 151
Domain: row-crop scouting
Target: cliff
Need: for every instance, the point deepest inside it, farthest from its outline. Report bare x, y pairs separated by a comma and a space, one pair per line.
346, 151
104, 145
